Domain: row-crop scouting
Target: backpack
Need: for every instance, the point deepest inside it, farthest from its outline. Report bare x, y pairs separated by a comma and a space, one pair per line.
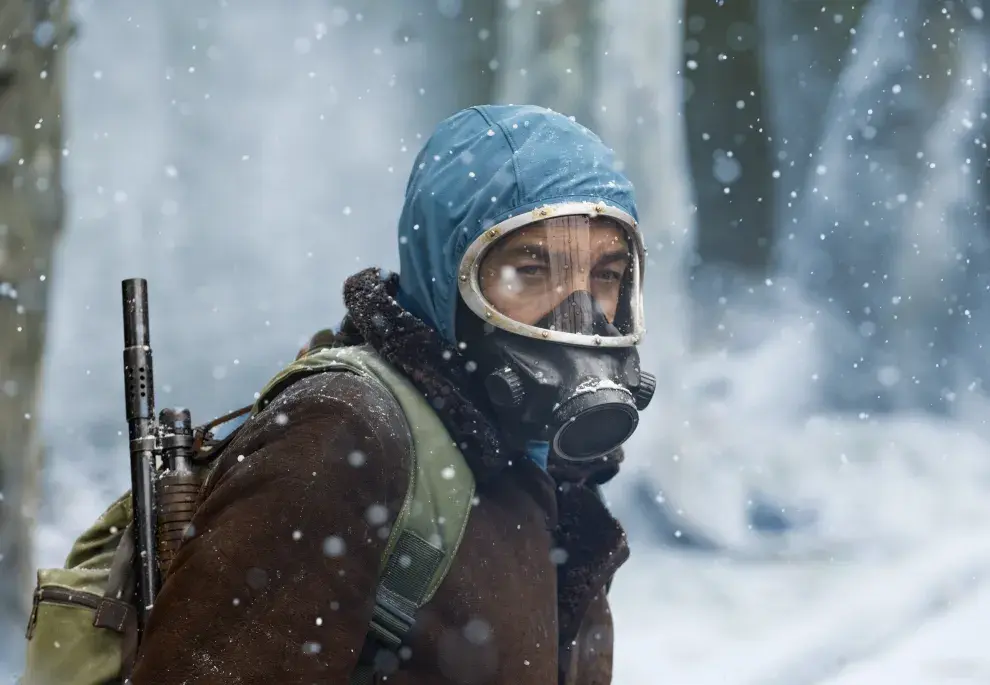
82, 629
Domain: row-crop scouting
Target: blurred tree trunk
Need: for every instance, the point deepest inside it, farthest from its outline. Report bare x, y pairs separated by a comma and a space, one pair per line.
547, 55
798, 76
34, 36
730, 155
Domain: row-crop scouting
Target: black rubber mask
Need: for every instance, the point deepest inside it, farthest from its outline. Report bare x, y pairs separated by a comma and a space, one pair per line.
584, 401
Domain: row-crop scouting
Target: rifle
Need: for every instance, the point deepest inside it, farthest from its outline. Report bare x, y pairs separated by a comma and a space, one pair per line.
164, 485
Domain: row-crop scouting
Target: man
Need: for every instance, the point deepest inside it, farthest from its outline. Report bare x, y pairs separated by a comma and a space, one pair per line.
513, 318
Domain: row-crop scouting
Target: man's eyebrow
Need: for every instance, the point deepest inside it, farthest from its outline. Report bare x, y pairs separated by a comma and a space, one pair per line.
613, 256
534, 250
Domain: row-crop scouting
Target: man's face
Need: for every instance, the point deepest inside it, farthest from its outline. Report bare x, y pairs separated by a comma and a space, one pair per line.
531, 271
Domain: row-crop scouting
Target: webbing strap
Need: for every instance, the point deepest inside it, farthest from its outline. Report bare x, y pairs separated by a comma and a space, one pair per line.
411, 567
404, 586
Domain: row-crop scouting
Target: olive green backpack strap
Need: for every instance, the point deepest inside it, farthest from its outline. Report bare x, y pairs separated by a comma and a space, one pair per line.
433, 517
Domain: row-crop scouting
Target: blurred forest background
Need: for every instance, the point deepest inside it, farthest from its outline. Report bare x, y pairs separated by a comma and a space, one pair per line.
813, 183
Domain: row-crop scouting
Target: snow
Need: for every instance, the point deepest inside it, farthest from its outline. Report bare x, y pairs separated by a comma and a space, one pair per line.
949, 648
711, 620
779, 537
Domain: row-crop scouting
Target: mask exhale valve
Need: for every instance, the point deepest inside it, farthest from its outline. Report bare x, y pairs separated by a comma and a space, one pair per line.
594, 422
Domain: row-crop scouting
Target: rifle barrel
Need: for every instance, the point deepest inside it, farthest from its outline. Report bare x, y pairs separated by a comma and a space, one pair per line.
139, 391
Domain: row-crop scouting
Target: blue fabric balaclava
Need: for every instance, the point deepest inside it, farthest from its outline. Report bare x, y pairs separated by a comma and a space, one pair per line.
482, 166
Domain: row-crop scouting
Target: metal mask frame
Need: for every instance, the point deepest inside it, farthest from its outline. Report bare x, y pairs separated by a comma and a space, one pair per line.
469, 281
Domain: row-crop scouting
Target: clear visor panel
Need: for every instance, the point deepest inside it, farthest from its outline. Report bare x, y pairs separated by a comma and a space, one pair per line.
571, 274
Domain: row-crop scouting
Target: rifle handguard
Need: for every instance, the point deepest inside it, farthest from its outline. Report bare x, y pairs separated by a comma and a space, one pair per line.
178, 486
177, 497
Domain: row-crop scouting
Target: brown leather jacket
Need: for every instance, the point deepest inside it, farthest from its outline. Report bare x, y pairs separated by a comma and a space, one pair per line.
277, 584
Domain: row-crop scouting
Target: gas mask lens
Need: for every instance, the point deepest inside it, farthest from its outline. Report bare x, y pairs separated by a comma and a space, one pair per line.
569, 274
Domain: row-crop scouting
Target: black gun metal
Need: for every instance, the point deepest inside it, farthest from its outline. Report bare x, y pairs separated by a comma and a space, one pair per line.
142, 430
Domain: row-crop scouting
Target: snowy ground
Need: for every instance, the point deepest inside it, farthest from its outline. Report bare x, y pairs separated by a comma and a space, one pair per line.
949, 648
684, 620
883, 576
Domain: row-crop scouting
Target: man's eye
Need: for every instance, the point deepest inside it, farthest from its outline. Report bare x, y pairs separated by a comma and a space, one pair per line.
531, 269
608, 275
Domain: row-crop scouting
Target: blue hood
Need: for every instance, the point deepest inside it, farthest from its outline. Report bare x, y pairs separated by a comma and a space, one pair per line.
481, 166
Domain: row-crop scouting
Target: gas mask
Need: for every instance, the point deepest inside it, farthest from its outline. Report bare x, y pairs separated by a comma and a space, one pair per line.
551, 313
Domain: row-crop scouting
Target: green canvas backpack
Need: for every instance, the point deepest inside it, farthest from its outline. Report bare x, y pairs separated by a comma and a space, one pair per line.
82, 631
